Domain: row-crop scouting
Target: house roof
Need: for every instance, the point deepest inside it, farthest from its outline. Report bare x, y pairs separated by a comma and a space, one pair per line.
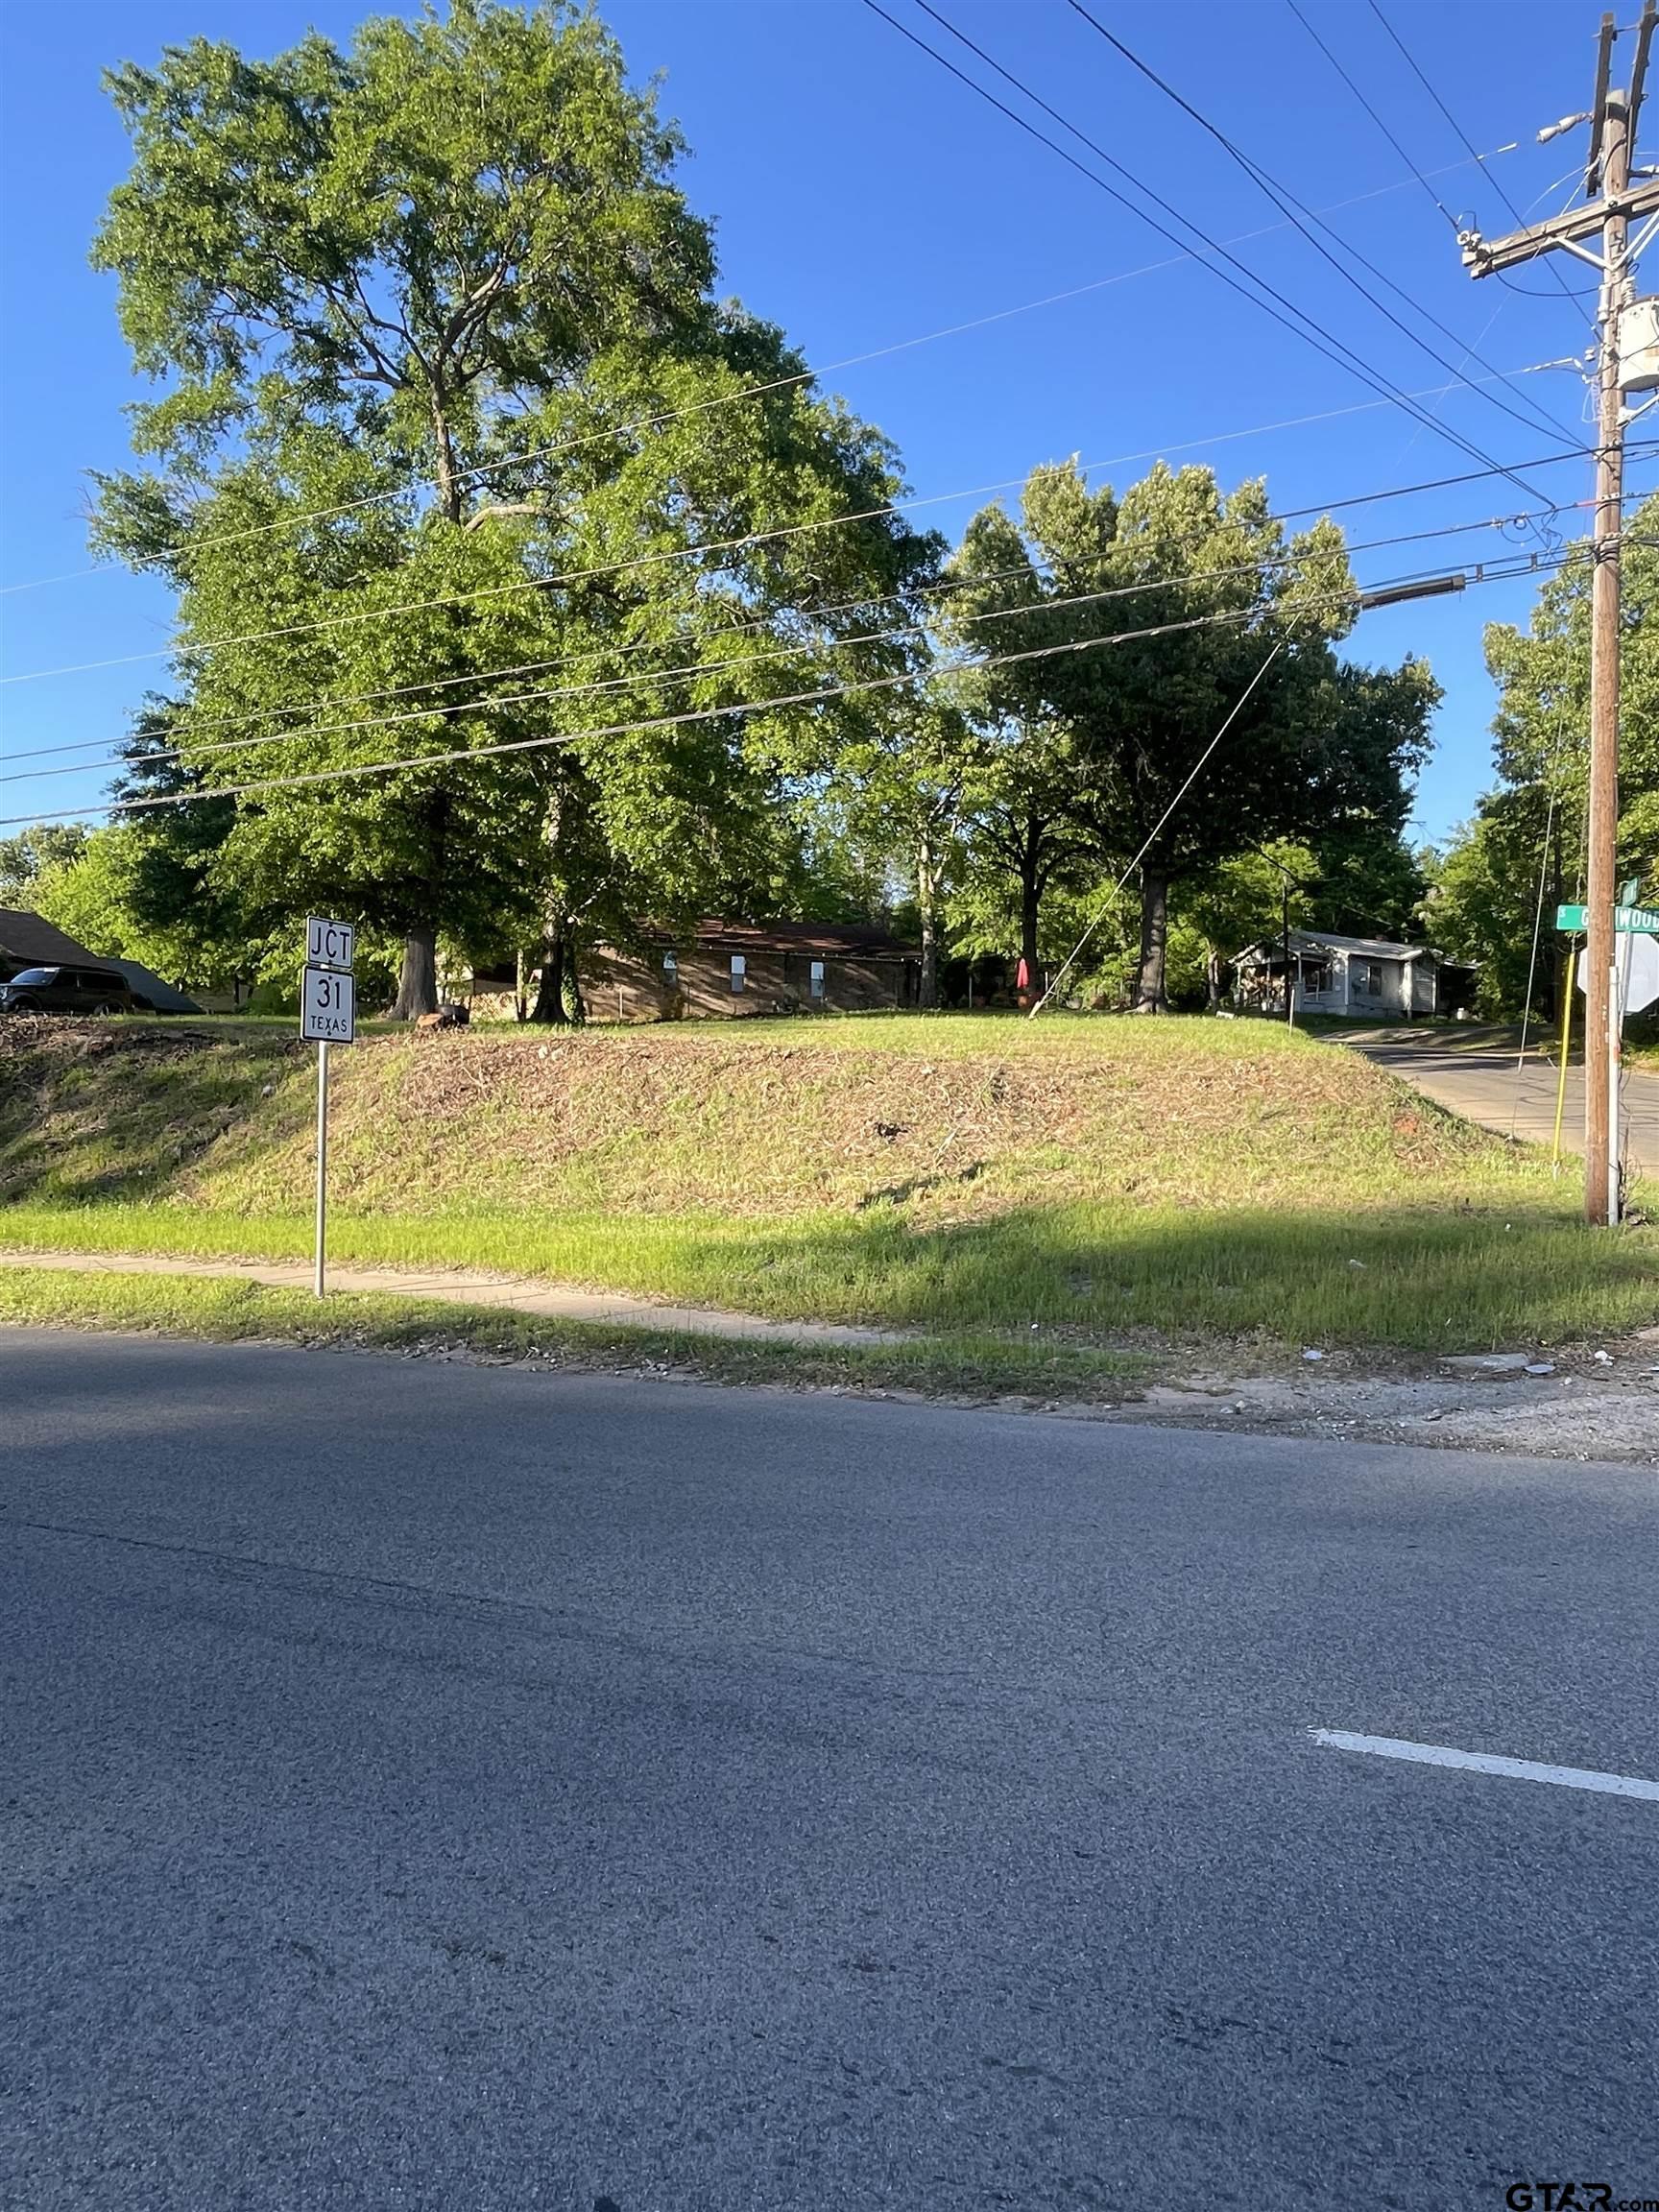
24, 936
164, 997
1323, 941
831, 940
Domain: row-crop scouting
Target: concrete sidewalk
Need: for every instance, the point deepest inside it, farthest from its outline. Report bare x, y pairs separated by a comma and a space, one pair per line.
461, 1287
1486, 1081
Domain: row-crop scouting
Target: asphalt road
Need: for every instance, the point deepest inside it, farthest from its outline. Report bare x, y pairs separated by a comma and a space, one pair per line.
1487, 1081
440, 1787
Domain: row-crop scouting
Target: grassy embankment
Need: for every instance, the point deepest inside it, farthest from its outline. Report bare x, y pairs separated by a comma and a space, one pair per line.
1119, 1184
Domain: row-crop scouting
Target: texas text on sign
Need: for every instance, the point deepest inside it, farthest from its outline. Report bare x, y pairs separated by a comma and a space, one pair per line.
329, 1008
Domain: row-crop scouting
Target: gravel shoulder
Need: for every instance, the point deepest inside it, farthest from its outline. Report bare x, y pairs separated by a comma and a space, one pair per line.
1583, 1402
1584, 1408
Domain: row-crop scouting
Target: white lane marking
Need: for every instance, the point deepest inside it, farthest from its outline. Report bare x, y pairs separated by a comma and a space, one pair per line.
1486, 1763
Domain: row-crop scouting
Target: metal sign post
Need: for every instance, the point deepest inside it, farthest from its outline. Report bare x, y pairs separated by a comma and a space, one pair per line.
1632, 983
321, 1160
329, 1016
1618, 989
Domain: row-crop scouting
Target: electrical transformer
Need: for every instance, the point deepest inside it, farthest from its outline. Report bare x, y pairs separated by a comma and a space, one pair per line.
1639, 347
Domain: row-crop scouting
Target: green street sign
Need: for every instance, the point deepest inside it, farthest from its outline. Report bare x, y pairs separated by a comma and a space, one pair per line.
1637, 919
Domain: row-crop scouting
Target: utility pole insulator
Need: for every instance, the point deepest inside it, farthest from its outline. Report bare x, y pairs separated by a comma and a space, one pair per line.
1491, 257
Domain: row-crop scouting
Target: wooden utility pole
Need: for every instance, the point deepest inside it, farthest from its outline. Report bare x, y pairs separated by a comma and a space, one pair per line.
1602, 1027
1611, 204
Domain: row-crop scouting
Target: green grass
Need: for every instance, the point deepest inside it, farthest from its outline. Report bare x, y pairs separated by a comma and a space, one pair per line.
236, 1313
1120, 1184
1422, 1279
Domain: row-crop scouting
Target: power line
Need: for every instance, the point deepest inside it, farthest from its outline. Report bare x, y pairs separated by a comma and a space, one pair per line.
1294, 210
751, 538
870, 599
817, 695
1467, 143
1376, 118
1301, 327
1526, 291
197, 645
193, 751
730, 398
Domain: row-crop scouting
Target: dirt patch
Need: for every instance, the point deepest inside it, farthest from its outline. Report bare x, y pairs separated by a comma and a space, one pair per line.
1594, 1402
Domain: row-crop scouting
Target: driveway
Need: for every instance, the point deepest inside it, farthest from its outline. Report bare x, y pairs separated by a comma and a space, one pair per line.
1482, 1076
470, 1789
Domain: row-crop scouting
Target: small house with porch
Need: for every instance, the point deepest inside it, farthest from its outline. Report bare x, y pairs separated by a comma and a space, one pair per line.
1364, 979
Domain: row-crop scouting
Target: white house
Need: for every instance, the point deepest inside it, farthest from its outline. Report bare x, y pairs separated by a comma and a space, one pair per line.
1366, 977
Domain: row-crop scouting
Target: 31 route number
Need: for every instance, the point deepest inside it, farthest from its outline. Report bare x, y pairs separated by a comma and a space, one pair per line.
328, 1006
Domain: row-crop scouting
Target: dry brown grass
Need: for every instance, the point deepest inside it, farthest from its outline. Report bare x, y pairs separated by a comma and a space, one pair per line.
748, 1126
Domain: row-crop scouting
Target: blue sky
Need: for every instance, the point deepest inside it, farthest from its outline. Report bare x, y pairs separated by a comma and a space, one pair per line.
862, 199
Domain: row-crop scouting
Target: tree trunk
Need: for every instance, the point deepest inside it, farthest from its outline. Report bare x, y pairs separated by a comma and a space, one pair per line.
927, 901
1151, 993
1212, 979
451, 498
1030, 908
549, 1003
521, 987
573, 982
549, 1006
418, 984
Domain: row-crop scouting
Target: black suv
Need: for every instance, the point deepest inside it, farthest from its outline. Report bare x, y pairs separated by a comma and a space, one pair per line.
66, 991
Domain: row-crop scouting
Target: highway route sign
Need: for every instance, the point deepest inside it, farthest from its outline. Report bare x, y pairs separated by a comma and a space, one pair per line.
328, 1006
329, 944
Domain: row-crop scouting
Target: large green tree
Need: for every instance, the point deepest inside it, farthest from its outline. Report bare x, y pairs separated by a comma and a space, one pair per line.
1180, 606
1021, 834
1529, 829
900, 791
1483, 905
152, 885
447, 393
26, 856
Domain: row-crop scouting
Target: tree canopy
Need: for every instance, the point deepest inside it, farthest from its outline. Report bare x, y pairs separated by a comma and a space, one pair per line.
1526, 841
460, 464
1184, 609
531, 592
24, 859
